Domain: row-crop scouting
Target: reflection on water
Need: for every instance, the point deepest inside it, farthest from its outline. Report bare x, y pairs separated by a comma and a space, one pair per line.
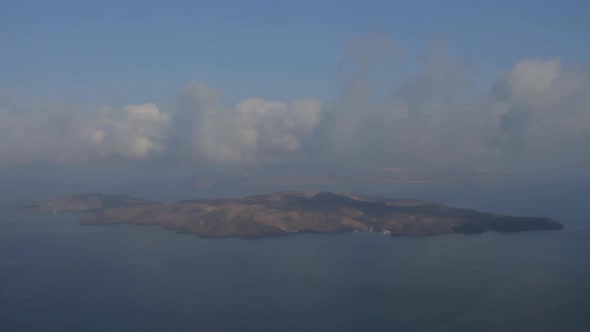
56, 275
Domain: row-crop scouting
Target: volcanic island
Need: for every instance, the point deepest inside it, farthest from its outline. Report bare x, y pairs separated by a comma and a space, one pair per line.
291, 212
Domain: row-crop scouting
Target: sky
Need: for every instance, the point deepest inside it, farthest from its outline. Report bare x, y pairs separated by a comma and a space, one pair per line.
181, 87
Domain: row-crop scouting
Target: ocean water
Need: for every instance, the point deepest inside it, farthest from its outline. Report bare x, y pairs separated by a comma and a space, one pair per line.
57, 275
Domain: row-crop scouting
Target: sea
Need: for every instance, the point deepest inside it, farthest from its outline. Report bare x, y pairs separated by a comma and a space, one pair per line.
58, 275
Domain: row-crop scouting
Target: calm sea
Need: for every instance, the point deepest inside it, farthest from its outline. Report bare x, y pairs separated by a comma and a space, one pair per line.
56, 275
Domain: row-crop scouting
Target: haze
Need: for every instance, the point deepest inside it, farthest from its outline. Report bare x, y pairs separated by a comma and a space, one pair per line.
160, 93
302, 165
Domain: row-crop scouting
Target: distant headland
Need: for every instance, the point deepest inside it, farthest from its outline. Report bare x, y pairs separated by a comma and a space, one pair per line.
291, 212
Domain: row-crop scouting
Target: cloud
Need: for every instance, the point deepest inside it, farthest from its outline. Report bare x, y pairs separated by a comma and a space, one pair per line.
535, 116
34, 133
136, 131
545, 111
435, 117
254, 130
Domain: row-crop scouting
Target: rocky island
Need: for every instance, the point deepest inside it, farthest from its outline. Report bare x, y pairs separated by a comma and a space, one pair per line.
293, 212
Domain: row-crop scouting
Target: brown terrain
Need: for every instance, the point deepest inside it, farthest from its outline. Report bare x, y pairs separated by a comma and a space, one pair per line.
292, 212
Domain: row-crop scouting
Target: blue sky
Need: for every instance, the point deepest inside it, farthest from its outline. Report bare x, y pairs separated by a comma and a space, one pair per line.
120, 52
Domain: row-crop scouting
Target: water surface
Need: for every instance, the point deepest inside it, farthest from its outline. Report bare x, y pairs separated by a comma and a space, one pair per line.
57, 275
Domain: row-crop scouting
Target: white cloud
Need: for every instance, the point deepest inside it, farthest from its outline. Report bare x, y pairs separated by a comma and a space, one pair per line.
535, 115
64, 135
136, 131
531, 79
255, 129
546, 110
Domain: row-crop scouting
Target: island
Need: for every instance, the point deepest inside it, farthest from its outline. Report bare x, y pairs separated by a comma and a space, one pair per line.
291, 212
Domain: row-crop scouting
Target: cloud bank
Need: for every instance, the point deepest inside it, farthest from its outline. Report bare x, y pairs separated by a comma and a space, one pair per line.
254, 130
38, 134
535, 114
